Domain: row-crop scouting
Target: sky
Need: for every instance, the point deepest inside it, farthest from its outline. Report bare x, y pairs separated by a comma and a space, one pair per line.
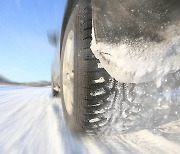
25, 53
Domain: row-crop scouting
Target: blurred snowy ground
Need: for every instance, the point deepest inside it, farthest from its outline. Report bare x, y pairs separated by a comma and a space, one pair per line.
31, 122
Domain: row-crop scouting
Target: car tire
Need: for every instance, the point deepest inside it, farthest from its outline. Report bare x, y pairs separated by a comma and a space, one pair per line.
94, 90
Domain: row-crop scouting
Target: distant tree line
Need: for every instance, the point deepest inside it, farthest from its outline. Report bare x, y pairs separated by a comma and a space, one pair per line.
4, 81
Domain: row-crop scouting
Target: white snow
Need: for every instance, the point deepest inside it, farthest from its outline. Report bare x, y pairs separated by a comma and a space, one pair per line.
94, 120
100, 80
139, 61
98, 92
31, 122
147, 142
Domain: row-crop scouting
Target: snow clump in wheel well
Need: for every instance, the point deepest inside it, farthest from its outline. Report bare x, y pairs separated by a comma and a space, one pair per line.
137, 61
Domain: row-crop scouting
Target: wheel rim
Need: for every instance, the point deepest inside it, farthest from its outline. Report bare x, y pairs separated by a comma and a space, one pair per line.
68, 73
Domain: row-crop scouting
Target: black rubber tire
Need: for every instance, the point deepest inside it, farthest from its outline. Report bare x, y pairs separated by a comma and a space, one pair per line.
93, 102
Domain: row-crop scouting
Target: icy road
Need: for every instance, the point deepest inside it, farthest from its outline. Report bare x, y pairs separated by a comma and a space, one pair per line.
31, 122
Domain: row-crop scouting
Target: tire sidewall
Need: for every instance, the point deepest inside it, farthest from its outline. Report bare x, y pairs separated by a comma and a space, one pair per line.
73, 25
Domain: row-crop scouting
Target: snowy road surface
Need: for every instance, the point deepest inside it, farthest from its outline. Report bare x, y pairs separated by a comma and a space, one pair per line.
31, 122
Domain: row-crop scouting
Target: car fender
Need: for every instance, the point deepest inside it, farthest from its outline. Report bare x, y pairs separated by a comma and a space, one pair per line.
114, 20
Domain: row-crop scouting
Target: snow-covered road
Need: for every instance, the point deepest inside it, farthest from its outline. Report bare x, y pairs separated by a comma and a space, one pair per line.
31, 122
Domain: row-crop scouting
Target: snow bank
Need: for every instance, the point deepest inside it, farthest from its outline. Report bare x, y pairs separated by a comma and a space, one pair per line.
138, 60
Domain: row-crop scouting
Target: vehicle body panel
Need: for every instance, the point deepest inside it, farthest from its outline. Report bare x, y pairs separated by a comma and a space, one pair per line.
114, 20
55, 71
